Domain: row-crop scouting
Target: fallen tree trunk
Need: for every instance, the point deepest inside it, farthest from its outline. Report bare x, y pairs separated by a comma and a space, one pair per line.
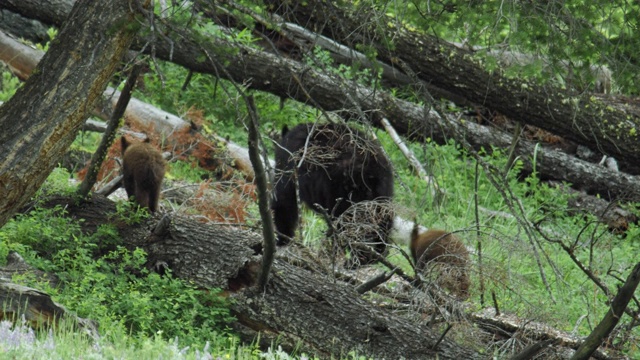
607, 127
283, 77
300, 308
288, 78
303, 307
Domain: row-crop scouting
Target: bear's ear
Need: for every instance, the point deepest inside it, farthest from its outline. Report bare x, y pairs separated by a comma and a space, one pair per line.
285, 130
124, 143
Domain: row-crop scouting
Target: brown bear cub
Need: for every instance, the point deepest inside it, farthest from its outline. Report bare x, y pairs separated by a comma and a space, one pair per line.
143, 168
448, 252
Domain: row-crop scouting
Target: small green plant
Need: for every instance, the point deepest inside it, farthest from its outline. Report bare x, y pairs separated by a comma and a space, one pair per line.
44, 231
8, 86
130, 212
188, 171
57, 183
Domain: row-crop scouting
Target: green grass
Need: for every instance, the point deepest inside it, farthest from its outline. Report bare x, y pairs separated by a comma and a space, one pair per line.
21, 342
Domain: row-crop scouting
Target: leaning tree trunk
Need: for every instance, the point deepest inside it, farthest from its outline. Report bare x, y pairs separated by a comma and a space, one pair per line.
267, 72
283, 77
608, 128
49, 12
41, 120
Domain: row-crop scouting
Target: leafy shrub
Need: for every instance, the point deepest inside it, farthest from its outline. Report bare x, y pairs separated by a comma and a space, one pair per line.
114, 288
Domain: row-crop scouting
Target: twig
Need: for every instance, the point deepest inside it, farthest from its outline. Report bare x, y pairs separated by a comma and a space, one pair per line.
268, 231
479, 242
435, 346
375, 281
512, 149
411, 157
495, 303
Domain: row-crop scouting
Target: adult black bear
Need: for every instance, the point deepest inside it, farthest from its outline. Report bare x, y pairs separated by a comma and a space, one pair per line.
143, 169
335, 166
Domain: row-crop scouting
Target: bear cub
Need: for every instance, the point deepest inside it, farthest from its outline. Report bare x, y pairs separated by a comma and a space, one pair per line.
448, 253
143, 168
335, 166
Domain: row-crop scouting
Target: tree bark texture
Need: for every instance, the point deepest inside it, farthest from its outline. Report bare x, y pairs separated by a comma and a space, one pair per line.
303, 306
19, 302
299, 307
283, 77
585, 120
41, 120
51, 12
22, 27
611, 319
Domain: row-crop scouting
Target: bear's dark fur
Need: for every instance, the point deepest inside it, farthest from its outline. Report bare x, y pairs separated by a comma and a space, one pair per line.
446, 250
143, 168
337, 166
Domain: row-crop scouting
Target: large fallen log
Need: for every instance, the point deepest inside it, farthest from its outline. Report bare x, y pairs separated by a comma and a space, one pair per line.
300, 307
305, 306
601, 124
290, 79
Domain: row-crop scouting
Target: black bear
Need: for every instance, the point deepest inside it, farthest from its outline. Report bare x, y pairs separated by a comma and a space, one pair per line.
335, 166
448, 252
143, 168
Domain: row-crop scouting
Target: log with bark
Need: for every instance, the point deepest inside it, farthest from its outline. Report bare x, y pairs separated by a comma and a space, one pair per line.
607, 126
21, 303
551, 163
290, 79
304, 307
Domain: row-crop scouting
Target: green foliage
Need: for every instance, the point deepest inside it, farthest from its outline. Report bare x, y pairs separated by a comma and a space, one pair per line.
56, 183
106, 282
52, 33
322, 60
39, 230
8, 86
130, 212
187, 171
87, 141
21, 342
